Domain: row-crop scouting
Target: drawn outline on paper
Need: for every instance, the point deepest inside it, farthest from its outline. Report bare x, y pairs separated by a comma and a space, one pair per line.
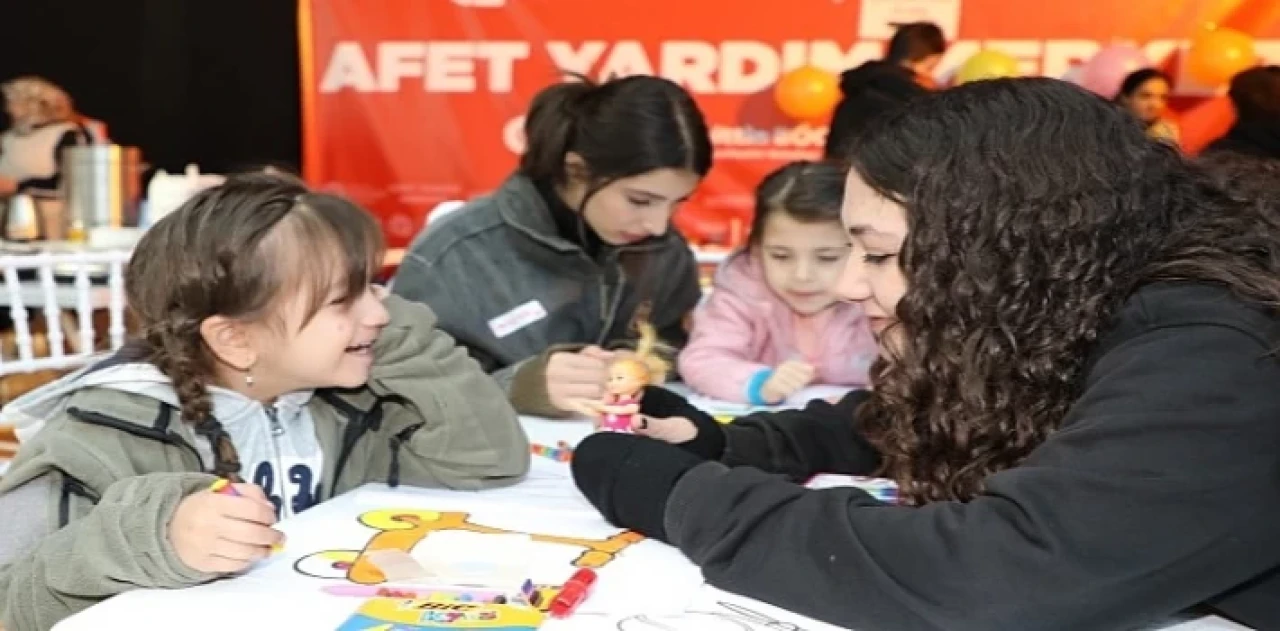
402, 529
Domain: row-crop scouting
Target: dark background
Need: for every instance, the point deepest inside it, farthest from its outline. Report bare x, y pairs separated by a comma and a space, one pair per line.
213, 82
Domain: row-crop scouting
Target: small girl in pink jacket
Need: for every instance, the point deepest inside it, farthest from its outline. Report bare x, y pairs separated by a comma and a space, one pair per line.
771, 325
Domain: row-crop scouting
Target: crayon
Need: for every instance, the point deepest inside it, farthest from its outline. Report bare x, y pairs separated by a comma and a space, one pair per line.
222, 487
530, 593
561, 452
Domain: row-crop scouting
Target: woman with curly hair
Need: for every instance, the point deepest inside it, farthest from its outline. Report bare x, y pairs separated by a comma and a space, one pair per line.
1078, 392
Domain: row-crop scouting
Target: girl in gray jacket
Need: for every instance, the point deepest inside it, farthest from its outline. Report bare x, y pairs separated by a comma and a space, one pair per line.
265, 358
576, 246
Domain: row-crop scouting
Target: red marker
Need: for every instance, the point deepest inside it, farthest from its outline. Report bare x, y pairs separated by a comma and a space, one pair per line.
573, 593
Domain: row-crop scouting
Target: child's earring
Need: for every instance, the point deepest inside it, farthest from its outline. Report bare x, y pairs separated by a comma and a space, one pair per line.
248, 380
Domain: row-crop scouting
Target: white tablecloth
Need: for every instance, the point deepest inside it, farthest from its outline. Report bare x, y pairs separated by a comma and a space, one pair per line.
255, 601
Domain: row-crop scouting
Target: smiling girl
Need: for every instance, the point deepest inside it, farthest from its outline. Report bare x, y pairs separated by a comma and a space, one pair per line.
773, 323
265, 358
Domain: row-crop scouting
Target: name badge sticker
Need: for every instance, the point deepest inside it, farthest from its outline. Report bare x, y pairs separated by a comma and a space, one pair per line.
517, 319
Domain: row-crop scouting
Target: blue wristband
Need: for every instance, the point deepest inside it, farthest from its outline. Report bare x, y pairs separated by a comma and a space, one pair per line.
755, 384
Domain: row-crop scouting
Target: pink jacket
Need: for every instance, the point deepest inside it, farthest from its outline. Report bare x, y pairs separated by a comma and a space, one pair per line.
743, 328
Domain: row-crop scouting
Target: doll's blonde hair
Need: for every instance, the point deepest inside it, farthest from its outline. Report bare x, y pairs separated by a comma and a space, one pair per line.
646, 363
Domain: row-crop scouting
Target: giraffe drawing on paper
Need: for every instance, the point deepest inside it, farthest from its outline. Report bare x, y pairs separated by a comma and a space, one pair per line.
404, 529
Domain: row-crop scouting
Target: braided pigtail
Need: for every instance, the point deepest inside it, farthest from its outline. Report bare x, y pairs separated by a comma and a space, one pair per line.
175, 351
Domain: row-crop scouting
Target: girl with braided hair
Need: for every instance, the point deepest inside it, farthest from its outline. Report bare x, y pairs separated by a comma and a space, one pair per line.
266, 358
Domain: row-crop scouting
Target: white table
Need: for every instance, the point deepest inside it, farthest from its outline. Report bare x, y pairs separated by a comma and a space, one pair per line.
255, 602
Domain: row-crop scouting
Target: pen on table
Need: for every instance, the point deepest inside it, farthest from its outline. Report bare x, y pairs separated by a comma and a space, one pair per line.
561, 452
223, 487
573, 593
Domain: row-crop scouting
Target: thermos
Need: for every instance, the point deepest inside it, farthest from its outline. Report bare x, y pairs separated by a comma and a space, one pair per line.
102, 186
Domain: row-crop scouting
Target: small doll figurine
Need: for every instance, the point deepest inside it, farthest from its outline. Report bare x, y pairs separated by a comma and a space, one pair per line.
627, 377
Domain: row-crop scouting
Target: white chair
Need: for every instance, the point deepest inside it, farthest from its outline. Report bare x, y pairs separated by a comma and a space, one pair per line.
58, 300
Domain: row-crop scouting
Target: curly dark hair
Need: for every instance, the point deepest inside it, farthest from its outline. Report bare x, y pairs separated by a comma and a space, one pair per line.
1035, 209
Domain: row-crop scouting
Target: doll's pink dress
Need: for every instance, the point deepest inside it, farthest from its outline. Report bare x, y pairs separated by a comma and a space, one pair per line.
619, 422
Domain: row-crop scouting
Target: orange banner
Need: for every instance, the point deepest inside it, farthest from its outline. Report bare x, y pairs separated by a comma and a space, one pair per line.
409, 103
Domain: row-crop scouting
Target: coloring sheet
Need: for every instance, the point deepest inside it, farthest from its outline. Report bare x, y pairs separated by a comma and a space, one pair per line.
331, 544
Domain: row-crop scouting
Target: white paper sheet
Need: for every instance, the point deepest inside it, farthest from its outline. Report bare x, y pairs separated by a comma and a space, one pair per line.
716, 610
323, 543
228, 605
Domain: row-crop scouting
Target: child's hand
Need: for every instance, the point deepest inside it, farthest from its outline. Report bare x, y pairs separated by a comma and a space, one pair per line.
574, 377
224, 534
585, 407
674, 430
601, 354
787, 379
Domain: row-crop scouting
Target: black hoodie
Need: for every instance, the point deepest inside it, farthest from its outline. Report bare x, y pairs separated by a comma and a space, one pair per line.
1257, 138
1159, 491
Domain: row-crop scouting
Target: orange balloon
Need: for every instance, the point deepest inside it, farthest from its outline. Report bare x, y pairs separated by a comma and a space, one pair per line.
807, 93
1218, 55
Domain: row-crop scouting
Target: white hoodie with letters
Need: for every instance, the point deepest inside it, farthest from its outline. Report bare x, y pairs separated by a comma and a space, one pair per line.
276, 442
